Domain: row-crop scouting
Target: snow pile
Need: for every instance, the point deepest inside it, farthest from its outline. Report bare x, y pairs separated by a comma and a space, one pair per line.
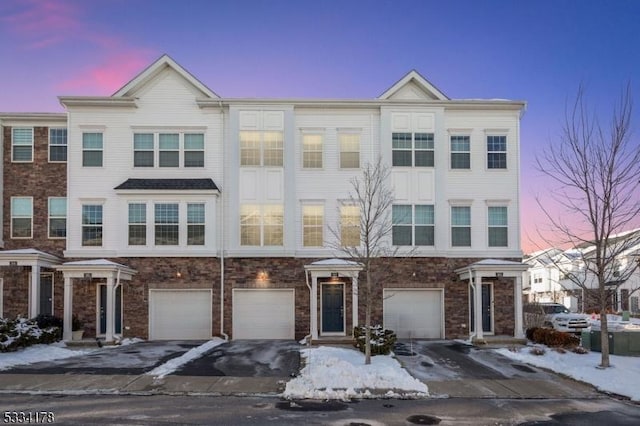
175, 363
339, 373
615, 323
621, 378
130, 341
38, 353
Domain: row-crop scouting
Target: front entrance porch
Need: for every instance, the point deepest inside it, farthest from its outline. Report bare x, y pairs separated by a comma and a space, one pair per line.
330, 299
109, 294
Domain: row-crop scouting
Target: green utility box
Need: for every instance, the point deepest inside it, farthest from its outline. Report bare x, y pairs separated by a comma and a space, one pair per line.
625, 343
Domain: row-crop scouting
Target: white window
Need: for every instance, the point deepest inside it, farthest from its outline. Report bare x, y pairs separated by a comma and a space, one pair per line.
195, 224
194, 150
496, 152
311, 151
261, 225
349, 150
143, 150
349, 226
412, 149
169, 150
22, 145
57, 145
312, 226
57, 217
413, 225
137, 224
92, 149
498, 230
461, 226
21, 217
92, 225
460, 152
261, 148
167, 227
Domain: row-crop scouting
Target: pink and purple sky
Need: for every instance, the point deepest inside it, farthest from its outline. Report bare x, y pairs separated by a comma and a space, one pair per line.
538, 51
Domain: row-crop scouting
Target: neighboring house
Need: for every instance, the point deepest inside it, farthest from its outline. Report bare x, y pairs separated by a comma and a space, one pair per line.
559, 276
190, 215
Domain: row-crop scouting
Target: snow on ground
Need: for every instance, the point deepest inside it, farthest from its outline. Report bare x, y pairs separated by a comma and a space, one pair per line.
340, 373
175, 363
39, 353
621, 378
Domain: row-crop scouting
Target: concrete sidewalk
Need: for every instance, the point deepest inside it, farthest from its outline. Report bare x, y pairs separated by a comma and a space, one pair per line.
274, 386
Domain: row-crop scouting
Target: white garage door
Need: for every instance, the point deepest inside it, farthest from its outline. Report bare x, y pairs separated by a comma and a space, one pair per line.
263, 314
179, 314
413, 313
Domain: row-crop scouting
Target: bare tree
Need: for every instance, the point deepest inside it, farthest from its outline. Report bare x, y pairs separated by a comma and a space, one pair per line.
372, 196
596, 171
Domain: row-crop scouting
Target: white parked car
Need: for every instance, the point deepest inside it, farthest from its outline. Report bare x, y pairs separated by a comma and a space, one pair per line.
558, 316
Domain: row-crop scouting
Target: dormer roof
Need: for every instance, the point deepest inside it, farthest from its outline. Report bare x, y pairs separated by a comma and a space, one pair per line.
414, 86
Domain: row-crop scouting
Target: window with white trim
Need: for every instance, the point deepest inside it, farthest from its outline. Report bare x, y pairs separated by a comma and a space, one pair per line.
349, 225
193, 150
92, 145
460, 152
412, 149
349, 150
57, 217
261, 148
195, 224
461, 226
496, 152
312, 151
413, 225
168, 150
143, 150
92, 225
137, 224
312, 225
167, 226
22, 144
57, 145
261, 225
498, 229
21, 217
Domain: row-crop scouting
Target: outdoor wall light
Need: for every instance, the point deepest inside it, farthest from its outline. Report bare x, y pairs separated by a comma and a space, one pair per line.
262, 275
178, 274
499, 274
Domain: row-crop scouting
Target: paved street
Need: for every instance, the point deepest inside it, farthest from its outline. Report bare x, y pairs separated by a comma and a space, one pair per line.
173, 410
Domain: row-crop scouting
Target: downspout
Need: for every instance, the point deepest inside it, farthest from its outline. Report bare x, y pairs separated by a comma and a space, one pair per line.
307, 338
222, 333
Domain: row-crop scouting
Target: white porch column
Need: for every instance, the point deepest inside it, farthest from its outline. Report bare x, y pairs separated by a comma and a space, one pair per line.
477, 302
518, 332
68, 309
354, 299
314, 306
34, 291
110, 311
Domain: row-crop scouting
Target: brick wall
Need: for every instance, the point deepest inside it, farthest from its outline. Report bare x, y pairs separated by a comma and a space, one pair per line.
40, 180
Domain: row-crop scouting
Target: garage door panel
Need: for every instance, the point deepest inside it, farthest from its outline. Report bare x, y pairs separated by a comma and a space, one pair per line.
413, 313
179, 314
263, 314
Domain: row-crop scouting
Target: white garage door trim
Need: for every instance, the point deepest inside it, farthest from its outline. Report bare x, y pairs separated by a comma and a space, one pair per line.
274, 319
191, 322
428, 313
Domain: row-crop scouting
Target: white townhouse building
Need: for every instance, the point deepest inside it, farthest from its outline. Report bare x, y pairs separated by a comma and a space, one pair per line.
188, 215
561, 276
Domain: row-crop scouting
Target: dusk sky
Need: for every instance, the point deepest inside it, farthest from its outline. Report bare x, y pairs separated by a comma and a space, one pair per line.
536, 51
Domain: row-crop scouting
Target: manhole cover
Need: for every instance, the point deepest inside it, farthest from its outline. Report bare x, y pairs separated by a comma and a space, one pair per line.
524, 368
422, 419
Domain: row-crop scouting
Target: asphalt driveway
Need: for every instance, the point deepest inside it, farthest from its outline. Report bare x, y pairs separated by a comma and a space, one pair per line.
238, 358
247, 358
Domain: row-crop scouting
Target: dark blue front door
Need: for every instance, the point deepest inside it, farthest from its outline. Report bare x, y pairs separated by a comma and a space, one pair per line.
46, 294
333, 308
103, 310
486, 309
